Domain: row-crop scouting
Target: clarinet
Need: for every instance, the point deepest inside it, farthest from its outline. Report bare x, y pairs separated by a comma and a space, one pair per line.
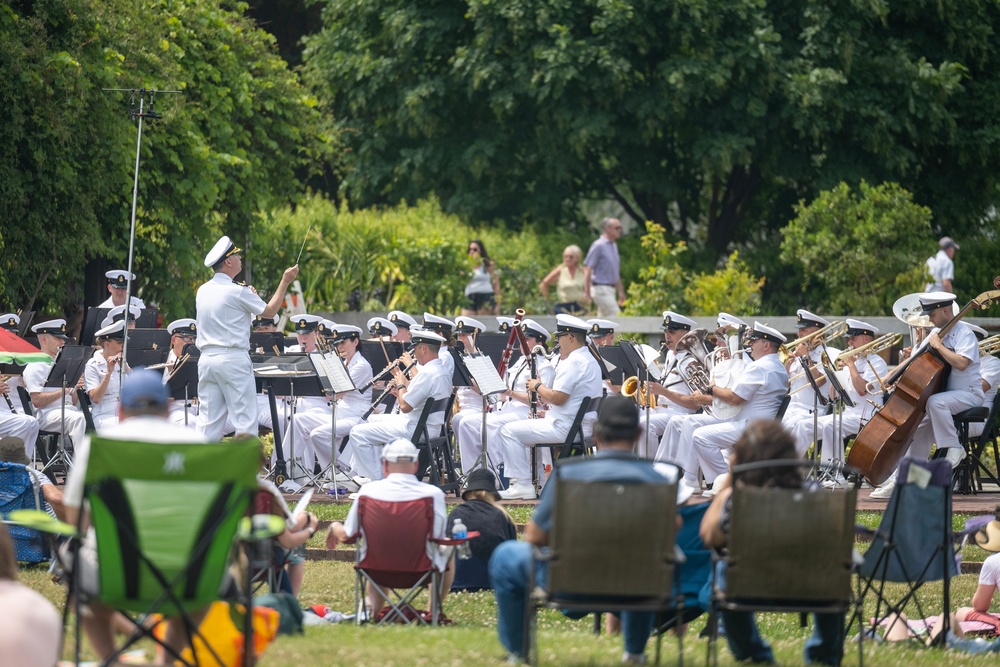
388, 391
533, 395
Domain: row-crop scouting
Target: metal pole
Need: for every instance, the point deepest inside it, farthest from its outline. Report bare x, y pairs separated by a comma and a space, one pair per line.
131, 244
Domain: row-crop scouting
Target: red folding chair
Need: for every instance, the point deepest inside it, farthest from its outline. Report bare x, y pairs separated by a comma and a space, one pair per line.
393, 553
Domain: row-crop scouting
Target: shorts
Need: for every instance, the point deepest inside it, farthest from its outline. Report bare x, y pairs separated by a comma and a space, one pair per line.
480, 301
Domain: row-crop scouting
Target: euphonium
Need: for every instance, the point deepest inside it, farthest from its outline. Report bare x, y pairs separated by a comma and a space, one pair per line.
824, 336
989, 346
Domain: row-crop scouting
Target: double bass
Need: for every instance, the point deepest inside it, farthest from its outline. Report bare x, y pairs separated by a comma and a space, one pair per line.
883, 441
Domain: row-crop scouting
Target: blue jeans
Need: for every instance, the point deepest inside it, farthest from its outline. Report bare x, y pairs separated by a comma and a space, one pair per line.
825, 646
509, 571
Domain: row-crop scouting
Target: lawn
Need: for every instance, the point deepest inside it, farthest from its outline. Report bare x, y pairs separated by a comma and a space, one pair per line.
472, 639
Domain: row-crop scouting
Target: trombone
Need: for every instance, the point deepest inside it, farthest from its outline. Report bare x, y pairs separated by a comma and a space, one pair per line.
823, 336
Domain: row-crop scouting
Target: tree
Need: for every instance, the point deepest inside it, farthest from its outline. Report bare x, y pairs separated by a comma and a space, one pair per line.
841, 239
710, 119
239, 140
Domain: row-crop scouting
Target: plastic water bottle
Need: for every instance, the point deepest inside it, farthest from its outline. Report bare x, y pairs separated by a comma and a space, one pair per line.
460, 532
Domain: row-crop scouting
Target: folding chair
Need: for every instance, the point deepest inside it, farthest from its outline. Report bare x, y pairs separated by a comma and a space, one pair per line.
914, 543
632, 567
47, 440
434, 457
392, 554
83, 400
165, 517
969, 473
572, 443
692, 576
789, 550
18, 491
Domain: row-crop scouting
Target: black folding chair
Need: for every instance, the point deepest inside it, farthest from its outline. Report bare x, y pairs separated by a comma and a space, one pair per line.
572, 444
969, 473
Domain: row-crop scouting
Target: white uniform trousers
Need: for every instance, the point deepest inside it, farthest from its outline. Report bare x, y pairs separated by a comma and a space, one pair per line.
675, 445
177, 414
368, 438
475, 414
76, 424
798, 420
647, 448
712, 444
20, 426
829, 434
470, 438
938, 425
319, 440
226, 389
107, 421
517, 437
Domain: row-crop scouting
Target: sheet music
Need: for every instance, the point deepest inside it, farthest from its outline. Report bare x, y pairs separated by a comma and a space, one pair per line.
331, 367
485, 374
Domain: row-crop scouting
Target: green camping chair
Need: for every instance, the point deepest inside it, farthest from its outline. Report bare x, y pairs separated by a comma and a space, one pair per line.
165, 517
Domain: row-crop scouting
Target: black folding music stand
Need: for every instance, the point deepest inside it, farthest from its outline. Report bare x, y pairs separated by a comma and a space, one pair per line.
493, 344
608, 366
818, 400
335, 379
635, 365
841, 399
381, 353
147, 347
267, 342
147, 320
65, 372
183, 378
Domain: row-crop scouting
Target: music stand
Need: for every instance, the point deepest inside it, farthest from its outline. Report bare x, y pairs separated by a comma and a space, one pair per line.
147, 347
482, 369
267, 342
336, 379
182, 380
493, 344
65, 372
381, 353
840, 399
634, 364
147, 320
818, 400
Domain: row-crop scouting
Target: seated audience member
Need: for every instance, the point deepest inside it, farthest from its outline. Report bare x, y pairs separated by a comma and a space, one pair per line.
399, 483
288, 550
616, 433
989, 578
29, 634
12, 451
480, 512
764, 440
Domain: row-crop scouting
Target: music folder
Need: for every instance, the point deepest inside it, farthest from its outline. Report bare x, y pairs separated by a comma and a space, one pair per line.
482, 370
332, 372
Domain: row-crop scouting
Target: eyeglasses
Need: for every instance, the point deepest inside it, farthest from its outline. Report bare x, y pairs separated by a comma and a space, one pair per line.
560, 334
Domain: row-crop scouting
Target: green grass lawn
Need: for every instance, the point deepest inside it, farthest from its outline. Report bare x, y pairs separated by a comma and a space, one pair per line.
472, 639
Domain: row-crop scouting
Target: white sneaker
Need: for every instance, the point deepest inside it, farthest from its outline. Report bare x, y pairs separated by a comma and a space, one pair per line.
955, 455
837, 482
519, 491
884, 492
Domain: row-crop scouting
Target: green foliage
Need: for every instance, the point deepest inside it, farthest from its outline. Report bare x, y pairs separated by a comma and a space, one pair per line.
660, 284
865, 248
732, 289
405, 257
238, 140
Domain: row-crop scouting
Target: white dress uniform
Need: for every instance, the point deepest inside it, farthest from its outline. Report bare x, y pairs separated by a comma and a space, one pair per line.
367, 439
105, 413
941, 267
226, 386
964, 390
14, 422
314, 427
666, 409
798, 418
469, 434
108, 303
763, 384
579, 376
989, 370
50, 417
831, 437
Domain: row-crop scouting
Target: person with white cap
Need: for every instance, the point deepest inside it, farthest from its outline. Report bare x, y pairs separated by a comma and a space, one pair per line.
13, 421
504, 324
313, 428
399, 463
118, 313
602, 332
616, 432
183, 332
443, 327
963, 390
10, 322
672, 388
941, 267
118, 287
675, 444
758, 392
102, 377
381, 328
403, 322
468, 400
988, 538
989, 371
430, 384
226, 386
513, 407
48, 400
264, 324
577, 377
864, 372
803, 401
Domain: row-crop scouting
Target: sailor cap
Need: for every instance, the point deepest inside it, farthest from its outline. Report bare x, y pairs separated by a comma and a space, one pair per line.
533, 328
184, 327
401, 319
600, 328
803, 319
570, 324
119, 278
223, 248
380, 326
859, 328
55, 328
9, 321
307, 323
673, 321
114, 331
468, 325
933, 300
767, 333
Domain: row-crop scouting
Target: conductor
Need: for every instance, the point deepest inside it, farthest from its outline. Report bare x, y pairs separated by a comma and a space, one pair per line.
224, 312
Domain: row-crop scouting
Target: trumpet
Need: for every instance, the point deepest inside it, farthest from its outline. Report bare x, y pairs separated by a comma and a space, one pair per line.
989, 346
639, 392
823, 336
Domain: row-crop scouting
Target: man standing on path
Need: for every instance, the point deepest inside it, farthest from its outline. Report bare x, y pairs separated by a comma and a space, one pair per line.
942, 267
225, 310
602, 280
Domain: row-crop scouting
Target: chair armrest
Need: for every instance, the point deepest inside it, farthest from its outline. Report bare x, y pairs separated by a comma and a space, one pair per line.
452, 542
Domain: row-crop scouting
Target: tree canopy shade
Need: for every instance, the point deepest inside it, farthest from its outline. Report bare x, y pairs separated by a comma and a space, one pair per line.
710, 117
239, 140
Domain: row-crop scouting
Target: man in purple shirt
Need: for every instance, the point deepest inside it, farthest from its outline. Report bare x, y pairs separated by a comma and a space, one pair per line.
602, 280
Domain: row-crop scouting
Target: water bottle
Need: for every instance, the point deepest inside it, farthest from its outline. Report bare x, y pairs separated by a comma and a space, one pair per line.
460, 532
